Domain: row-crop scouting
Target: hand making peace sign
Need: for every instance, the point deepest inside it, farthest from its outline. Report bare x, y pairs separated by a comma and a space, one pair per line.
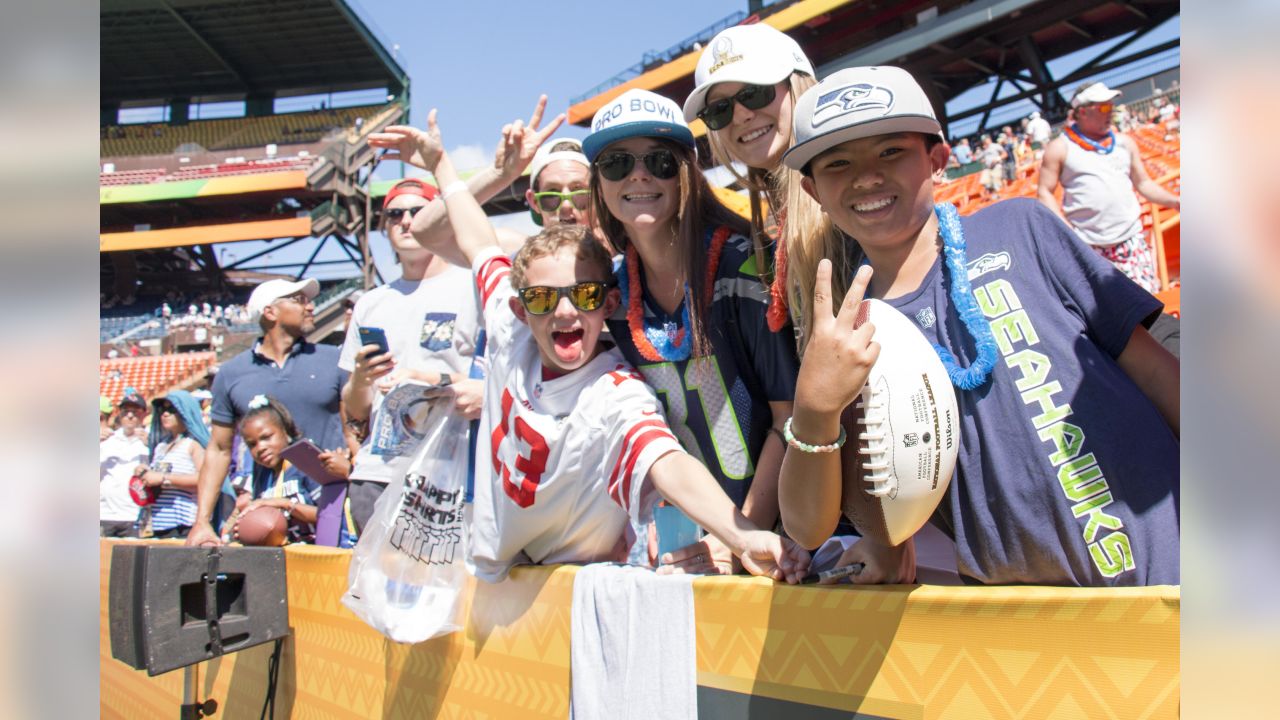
839, 356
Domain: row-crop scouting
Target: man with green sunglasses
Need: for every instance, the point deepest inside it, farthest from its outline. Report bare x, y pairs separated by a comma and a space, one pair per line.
558, 180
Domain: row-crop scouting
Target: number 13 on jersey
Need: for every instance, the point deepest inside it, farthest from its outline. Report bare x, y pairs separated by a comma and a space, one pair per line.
531, 455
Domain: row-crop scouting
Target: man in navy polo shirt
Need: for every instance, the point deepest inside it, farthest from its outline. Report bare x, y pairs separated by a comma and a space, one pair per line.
282, 364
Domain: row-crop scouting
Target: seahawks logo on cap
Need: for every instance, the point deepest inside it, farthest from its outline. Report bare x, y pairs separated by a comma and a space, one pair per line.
874, 100
722, 52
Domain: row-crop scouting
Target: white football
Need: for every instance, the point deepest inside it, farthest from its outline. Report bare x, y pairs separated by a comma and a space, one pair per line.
903, 432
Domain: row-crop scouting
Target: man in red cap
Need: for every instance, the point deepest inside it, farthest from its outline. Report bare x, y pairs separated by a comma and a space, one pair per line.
428, 316
516, 151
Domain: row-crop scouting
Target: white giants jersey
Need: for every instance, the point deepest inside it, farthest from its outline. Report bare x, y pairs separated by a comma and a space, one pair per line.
560, 464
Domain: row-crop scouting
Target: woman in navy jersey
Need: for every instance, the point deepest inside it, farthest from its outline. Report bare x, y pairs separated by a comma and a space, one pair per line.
693, 314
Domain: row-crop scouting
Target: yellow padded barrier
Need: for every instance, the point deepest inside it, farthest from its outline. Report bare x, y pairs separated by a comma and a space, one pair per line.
903, 651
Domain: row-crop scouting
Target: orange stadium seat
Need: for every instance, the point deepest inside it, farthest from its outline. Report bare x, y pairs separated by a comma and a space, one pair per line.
149, 375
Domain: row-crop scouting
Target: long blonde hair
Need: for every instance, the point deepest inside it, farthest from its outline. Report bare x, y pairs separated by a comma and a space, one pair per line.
807, 234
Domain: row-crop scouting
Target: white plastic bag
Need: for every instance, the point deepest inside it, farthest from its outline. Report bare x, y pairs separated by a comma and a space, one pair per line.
408, 568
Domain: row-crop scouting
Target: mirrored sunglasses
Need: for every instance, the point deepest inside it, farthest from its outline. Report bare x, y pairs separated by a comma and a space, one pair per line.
719, 114
617, 165
542, 299
551, 200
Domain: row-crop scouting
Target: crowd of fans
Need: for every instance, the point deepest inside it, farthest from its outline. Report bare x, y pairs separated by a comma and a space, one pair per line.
999, 155
650, 343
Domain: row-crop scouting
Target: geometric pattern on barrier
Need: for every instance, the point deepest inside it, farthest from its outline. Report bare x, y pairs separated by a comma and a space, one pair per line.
930, 651
905, 651
512, 659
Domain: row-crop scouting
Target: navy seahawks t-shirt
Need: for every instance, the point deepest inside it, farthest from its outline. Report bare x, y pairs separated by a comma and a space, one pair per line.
1067, 474
718, 405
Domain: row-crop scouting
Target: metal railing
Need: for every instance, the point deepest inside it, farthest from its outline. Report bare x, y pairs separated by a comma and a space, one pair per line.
653, 59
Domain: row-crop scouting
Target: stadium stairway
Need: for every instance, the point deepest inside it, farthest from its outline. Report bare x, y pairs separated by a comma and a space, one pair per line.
331, 313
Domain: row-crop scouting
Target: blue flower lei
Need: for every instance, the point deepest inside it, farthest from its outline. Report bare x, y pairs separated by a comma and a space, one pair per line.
661, 334
953, 250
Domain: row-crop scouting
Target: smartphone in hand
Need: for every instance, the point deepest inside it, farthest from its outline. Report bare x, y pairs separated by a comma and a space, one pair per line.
375, 336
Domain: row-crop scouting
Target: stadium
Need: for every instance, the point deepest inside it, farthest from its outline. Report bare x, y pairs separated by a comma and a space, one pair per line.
234, 150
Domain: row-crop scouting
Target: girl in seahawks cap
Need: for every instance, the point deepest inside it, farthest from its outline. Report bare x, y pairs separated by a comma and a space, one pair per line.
746, 85
692, 318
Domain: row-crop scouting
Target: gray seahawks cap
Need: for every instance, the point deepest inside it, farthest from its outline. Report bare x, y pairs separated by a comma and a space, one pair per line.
855, 103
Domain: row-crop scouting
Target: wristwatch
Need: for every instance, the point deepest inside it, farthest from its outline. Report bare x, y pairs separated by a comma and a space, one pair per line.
446, 380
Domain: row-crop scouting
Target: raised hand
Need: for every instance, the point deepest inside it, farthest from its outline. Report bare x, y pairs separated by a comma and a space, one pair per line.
418, 147
520, 142
839, 356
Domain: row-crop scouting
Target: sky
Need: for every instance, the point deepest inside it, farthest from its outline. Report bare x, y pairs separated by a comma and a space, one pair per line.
483, 63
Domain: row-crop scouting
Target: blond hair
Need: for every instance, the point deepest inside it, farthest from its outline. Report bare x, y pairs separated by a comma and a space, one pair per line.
806, 233
551, 241
761, 183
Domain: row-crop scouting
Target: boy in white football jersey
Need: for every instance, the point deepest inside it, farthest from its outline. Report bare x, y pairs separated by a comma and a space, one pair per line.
575, 439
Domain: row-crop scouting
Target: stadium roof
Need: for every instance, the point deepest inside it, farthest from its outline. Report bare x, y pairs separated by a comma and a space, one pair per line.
951, 45
162, 49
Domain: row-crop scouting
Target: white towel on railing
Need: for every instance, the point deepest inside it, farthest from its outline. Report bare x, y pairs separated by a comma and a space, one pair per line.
632, 645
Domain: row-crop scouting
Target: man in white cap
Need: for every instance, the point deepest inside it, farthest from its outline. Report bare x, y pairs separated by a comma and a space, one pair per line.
282, 364
1099, 169
118, 455
558, 180
1038, 130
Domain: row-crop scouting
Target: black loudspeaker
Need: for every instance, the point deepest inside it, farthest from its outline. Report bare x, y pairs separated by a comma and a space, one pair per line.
172, 606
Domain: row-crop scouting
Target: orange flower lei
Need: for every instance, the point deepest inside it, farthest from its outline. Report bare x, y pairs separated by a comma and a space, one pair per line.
635, 306
777, 314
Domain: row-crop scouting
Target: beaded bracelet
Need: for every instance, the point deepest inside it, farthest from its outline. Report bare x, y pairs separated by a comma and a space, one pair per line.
806, 447
453, 188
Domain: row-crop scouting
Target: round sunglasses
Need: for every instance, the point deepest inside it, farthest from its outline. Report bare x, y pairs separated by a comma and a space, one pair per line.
719, 114
550, 201
542, 299
617, 164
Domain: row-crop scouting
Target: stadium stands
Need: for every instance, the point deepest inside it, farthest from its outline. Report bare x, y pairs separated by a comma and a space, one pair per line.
150, 375
231, 133
111, 327
1163, 161
203, 172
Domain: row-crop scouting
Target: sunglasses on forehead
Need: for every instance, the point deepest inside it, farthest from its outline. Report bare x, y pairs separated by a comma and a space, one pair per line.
542, 299
617, 165
550, 201
719, 114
